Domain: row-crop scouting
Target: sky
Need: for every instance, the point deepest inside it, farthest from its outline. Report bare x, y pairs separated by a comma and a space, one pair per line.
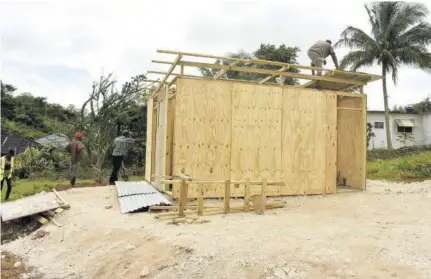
57, 48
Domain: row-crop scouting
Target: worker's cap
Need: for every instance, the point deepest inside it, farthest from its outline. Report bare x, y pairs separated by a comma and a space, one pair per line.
126, 133
11, 152
329, 42
78, 135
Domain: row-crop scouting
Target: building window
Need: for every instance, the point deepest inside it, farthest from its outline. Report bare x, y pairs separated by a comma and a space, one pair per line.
405, 129
378, 125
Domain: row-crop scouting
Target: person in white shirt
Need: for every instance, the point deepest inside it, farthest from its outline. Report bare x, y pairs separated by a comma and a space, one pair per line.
122, 145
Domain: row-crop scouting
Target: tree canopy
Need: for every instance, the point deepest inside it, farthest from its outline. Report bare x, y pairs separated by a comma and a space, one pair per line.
269, 52
399, 36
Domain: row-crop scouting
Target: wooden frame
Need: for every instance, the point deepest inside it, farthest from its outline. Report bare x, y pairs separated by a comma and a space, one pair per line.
260, 202
349, 79
222, 107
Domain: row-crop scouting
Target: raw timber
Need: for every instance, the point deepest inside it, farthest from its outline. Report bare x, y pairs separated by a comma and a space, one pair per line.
218, 129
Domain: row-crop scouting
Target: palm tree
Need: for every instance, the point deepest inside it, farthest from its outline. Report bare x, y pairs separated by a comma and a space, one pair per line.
399, 36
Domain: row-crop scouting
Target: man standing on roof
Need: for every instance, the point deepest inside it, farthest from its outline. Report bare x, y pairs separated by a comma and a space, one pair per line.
7, 167
317, 54
76, 151
122, 145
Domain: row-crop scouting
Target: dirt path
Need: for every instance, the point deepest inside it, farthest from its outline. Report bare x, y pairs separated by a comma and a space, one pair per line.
381, 233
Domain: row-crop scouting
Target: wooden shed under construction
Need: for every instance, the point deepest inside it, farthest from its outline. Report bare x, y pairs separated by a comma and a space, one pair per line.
222, 129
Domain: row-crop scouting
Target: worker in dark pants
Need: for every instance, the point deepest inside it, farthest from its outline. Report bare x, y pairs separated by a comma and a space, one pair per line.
122, 145
7, 168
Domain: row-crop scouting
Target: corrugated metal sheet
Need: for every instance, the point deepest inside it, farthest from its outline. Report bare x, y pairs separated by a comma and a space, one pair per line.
134, 188
133, 196
405, 123
135, 202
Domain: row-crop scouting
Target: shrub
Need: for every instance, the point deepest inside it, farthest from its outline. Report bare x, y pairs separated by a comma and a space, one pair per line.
385, 154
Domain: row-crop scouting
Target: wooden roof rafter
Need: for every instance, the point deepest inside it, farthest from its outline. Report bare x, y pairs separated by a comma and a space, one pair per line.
342, 79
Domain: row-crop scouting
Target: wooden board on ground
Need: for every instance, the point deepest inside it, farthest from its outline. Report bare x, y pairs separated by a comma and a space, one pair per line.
29, 206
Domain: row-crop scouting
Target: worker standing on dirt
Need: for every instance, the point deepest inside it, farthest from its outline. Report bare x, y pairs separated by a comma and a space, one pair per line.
317, 54
7, 167
76, 151
122, 145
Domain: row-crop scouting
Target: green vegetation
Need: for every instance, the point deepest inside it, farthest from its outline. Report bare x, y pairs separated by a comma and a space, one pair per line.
399, 36
386, 154
269, 52
27, 187
416, 166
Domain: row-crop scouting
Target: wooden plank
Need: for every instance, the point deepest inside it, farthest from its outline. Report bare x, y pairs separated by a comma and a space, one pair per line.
171, 69
183, 198
267, 62
256, 135
226, 196
270, 72
170, 137
41, 219
202, 143
222, 72
284, 68
350, 142
199, 181
153, 143
363, 156
200, 200
331, 144
347, 108
149, 139
59, 197
264, 193
246, 194
160, 144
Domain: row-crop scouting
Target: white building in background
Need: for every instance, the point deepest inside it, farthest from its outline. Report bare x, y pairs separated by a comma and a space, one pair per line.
418, 125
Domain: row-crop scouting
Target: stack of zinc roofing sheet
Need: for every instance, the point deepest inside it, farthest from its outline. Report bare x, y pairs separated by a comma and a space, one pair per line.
136, 195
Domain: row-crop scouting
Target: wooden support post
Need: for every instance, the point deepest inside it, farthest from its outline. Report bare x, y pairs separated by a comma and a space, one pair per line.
264, 192
183, 198
165, 160
361, 88
281, 80
182, 71
148, 146
200, 206
364, 142
246, 194
226, 196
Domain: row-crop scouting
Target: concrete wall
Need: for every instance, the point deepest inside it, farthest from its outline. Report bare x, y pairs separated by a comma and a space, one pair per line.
422, 133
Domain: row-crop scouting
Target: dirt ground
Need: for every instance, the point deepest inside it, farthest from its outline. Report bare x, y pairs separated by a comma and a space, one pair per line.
381, 233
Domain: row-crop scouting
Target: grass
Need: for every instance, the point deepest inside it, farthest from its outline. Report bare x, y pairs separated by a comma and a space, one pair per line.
27, 187
412, 167
8, 271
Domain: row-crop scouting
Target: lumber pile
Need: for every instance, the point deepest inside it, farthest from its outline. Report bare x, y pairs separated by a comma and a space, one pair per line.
190, 213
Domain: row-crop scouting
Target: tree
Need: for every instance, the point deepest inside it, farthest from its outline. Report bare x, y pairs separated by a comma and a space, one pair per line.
105, 109
399, 36
269, 52
370, 133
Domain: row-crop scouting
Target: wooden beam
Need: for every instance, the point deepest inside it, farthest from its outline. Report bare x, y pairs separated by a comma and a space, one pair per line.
171, 69
246, 194
225, 70
266, 62
345, 108
183, 198
264, 192
149, 139
192, 181
268, 72
226, 196
364, 143
200, 206
284, 68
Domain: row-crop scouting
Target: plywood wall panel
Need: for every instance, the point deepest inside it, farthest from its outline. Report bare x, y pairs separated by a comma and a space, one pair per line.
202, 143
256, 134
351, 142
331, 143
